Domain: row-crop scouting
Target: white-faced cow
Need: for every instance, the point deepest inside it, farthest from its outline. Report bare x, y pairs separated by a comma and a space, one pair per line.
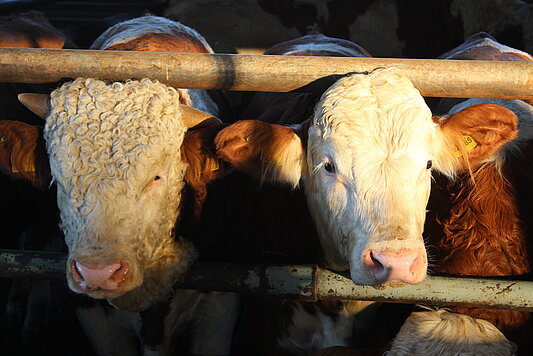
479, 223
363, 152
121, 155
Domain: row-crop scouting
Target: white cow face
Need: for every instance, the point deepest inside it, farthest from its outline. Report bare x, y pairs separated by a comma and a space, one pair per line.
115, 156
366, 169
368, 182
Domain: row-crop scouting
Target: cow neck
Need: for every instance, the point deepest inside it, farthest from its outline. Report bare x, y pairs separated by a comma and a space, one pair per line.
481, 233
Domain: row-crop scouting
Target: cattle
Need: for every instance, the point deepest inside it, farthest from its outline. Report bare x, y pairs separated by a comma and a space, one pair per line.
479, 223
359, 158
120, 155
437, 332
355, 167
443, 333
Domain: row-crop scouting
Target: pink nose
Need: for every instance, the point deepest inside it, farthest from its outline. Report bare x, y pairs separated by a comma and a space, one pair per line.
107, 277
405, 266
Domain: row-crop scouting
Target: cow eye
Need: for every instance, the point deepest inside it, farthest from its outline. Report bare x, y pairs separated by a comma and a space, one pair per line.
157, 177
429, 164
329, 167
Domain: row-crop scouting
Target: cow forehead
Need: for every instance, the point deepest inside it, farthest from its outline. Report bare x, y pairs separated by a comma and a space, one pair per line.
381, 114
101, 129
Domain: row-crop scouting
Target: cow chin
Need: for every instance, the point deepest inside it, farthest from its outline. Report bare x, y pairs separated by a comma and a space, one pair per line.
159, 280
142, 284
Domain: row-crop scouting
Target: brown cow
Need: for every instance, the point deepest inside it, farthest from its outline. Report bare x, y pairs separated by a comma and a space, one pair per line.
480, 221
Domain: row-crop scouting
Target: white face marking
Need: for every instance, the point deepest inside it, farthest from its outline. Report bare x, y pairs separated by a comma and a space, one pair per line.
115, 155
368, 153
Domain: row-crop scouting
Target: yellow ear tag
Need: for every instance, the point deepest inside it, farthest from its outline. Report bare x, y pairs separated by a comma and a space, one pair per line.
469, 145
215, 165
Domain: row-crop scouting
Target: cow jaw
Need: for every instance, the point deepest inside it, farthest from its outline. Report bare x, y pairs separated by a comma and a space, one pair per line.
368, 186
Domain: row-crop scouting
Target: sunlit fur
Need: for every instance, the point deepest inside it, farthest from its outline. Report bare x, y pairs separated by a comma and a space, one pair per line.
127, 30
106, 144
523, 111
444, 333
178, 36
377, 132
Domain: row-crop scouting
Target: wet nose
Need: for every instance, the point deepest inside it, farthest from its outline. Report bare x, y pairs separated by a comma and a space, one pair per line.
405, 265
107, 276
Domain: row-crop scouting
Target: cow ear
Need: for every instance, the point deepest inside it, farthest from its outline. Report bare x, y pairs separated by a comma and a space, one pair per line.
267, 151
472, 135
23, 153
203, 165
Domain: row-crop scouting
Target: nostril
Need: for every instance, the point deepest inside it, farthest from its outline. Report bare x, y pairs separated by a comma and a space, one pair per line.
108, 276
375, 266
120, 274
379, 270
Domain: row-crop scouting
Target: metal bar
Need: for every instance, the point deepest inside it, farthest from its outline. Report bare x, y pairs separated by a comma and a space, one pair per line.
441, 291
307, 282
289, 282
32, 264
439, 78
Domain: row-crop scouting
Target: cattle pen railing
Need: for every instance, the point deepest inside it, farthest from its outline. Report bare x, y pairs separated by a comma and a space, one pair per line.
435, 78
302, 282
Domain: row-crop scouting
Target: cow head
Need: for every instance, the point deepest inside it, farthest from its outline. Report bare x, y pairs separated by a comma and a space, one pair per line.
115, 154
365, 160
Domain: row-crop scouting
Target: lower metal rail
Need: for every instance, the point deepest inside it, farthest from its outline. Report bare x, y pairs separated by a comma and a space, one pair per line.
303, 282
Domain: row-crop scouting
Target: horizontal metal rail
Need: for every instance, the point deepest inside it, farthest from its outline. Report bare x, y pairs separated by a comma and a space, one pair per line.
437, 78
303, 282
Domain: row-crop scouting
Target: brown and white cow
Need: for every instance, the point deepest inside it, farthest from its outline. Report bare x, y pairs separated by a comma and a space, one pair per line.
121, 154
479, 224
117, 157
363, 153
364, 158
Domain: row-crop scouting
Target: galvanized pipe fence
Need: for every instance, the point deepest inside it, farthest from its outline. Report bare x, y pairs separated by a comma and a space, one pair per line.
438, 78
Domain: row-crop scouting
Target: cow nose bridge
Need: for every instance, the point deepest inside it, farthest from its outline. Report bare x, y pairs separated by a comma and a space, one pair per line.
106, 276
405, 265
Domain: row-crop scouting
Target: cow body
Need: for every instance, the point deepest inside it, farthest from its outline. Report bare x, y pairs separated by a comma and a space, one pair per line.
479, 222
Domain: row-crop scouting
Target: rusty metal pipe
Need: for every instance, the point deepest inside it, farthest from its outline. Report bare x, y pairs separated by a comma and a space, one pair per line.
437, 78
307, 282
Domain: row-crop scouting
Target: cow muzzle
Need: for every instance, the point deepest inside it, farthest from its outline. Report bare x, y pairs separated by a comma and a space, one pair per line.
396, 266
112, 276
